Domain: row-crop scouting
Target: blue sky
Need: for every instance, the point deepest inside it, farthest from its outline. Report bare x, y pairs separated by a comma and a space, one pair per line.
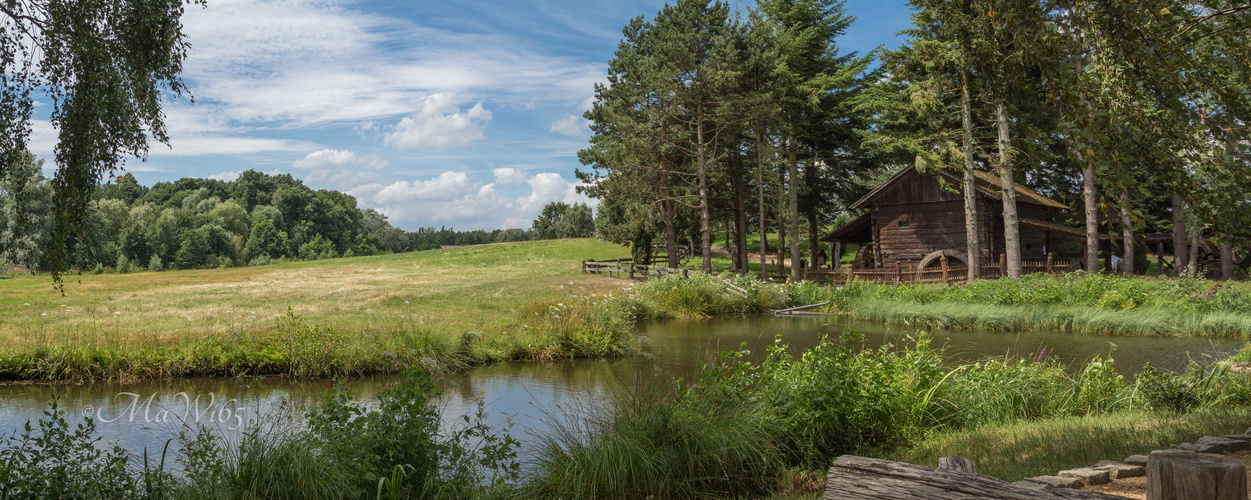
464, 114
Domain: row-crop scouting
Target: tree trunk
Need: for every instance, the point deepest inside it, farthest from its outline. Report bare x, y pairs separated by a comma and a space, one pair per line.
764, 238
813, 250
1227, 260
1182, 475
1011, 222
1092, 217
705, 232
973, 247
1180, 257
1127, 234
1192, 268
668, 209
792, 174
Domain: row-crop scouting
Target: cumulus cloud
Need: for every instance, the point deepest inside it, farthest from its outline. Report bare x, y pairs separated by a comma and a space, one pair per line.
571, 125
509, 176
439, 125
455, 199
340, 169
225, 176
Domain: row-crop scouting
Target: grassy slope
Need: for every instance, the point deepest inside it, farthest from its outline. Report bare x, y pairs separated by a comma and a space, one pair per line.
1034, 448
443, 294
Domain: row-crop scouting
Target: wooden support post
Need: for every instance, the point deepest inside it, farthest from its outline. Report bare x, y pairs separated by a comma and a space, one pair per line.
1185, 475
1051, 265
898, 272
631, 270
942, 260
1003, 265
837, 258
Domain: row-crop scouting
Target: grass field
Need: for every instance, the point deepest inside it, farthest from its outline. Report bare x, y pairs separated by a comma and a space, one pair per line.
436, 301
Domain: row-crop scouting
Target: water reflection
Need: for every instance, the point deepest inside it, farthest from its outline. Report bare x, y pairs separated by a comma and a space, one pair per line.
528, 396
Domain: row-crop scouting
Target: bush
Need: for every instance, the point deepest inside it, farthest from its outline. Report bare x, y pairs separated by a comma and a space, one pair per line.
123, 264
1166, 393
155, 263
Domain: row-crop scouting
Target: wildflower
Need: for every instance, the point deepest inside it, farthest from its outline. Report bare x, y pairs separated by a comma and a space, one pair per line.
116, 312
44, 314
1041, 353
26, 304
405, 302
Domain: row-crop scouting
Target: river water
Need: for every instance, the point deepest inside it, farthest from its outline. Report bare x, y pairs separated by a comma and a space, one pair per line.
527, 397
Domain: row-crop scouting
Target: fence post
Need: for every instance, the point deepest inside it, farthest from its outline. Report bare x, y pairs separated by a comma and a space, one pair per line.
1003, 265
685, 274
942, 260
1050, 263
584, 267
898, 272
631, 270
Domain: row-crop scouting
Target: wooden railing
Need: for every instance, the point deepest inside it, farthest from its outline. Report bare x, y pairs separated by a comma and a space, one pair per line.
943, 274
623, 268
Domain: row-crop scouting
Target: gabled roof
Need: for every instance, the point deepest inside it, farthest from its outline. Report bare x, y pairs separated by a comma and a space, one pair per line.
856, 231
986, 183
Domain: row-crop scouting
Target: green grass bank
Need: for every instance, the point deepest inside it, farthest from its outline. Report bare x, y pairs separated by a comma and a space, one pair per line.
1098, 304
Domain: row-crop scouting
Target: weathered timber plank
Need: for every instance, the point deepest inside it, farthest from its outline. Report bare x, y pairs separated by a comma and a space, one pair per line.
855, 478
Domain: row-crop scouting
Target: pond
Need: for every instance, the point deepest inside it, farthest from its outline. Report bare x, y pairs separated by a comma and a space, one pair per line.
531, 395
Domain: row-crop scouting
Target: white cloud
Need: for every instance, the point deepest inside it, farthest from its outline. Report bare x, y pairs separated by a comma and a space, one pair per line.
454, 199
340, 169
571, 125
229, 176
439, 125
509, 176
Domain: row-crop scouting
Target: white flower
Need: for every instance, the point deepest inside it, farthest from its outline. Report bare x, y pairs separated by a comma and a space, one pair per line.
44, 314
26, 304
405, 302
116, 312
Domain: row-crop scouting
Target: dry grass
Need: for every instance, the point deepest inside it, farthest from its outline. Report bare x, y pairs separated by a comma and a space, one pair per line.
443, 294
449, 290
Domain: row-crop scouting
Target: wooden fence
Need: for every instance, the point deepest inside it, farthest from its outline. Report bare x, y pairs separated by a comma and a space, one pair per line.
943, 274
627, 268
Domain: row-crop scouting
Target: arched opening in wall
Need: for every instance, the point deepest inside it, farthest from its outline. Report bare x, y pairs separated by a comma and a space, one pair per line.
933, 260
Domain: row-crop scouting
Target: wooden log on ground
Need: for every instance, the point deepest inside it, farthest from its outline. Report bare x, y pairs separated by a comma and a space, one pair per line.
1186, 475
854, 478
958, 464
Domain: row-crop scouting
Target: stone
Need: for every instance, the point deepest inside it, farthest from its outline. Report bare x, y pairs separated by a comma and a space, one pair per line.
1201, 448
1227, 445
1140, 460
1049, 482
1025, 483
1088, 475
1121, 471
1240, 437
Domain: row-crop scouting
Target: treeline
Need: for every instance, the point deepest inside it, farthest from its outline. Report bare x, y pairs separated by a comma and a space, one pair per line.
753, 121
203, 223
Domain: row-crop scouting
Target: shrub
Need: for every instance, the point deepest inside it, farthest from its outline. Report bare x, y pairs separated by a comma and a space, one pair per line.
155, 263
123, 264
1166, 393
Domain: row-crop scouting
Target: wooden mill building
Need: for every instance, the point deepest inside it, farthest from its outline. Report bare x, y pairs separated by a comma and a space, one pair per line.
912, 220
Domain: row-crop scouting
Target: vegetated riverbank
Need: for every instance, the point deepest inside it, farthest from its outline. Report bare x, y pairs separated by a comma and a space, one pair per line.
736, 430
1094, 303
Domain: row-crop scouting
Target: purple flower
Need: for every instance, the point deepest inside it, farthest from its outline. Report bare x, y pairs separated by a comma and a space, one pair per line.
1040, 354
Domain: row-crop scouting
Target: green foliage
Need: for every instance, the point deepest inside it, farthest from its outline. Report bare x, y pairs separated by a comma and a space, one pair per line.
265, 239
561, 220
1165, 392
69, 461
155, 264
701, 443
404, 431
318, 248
